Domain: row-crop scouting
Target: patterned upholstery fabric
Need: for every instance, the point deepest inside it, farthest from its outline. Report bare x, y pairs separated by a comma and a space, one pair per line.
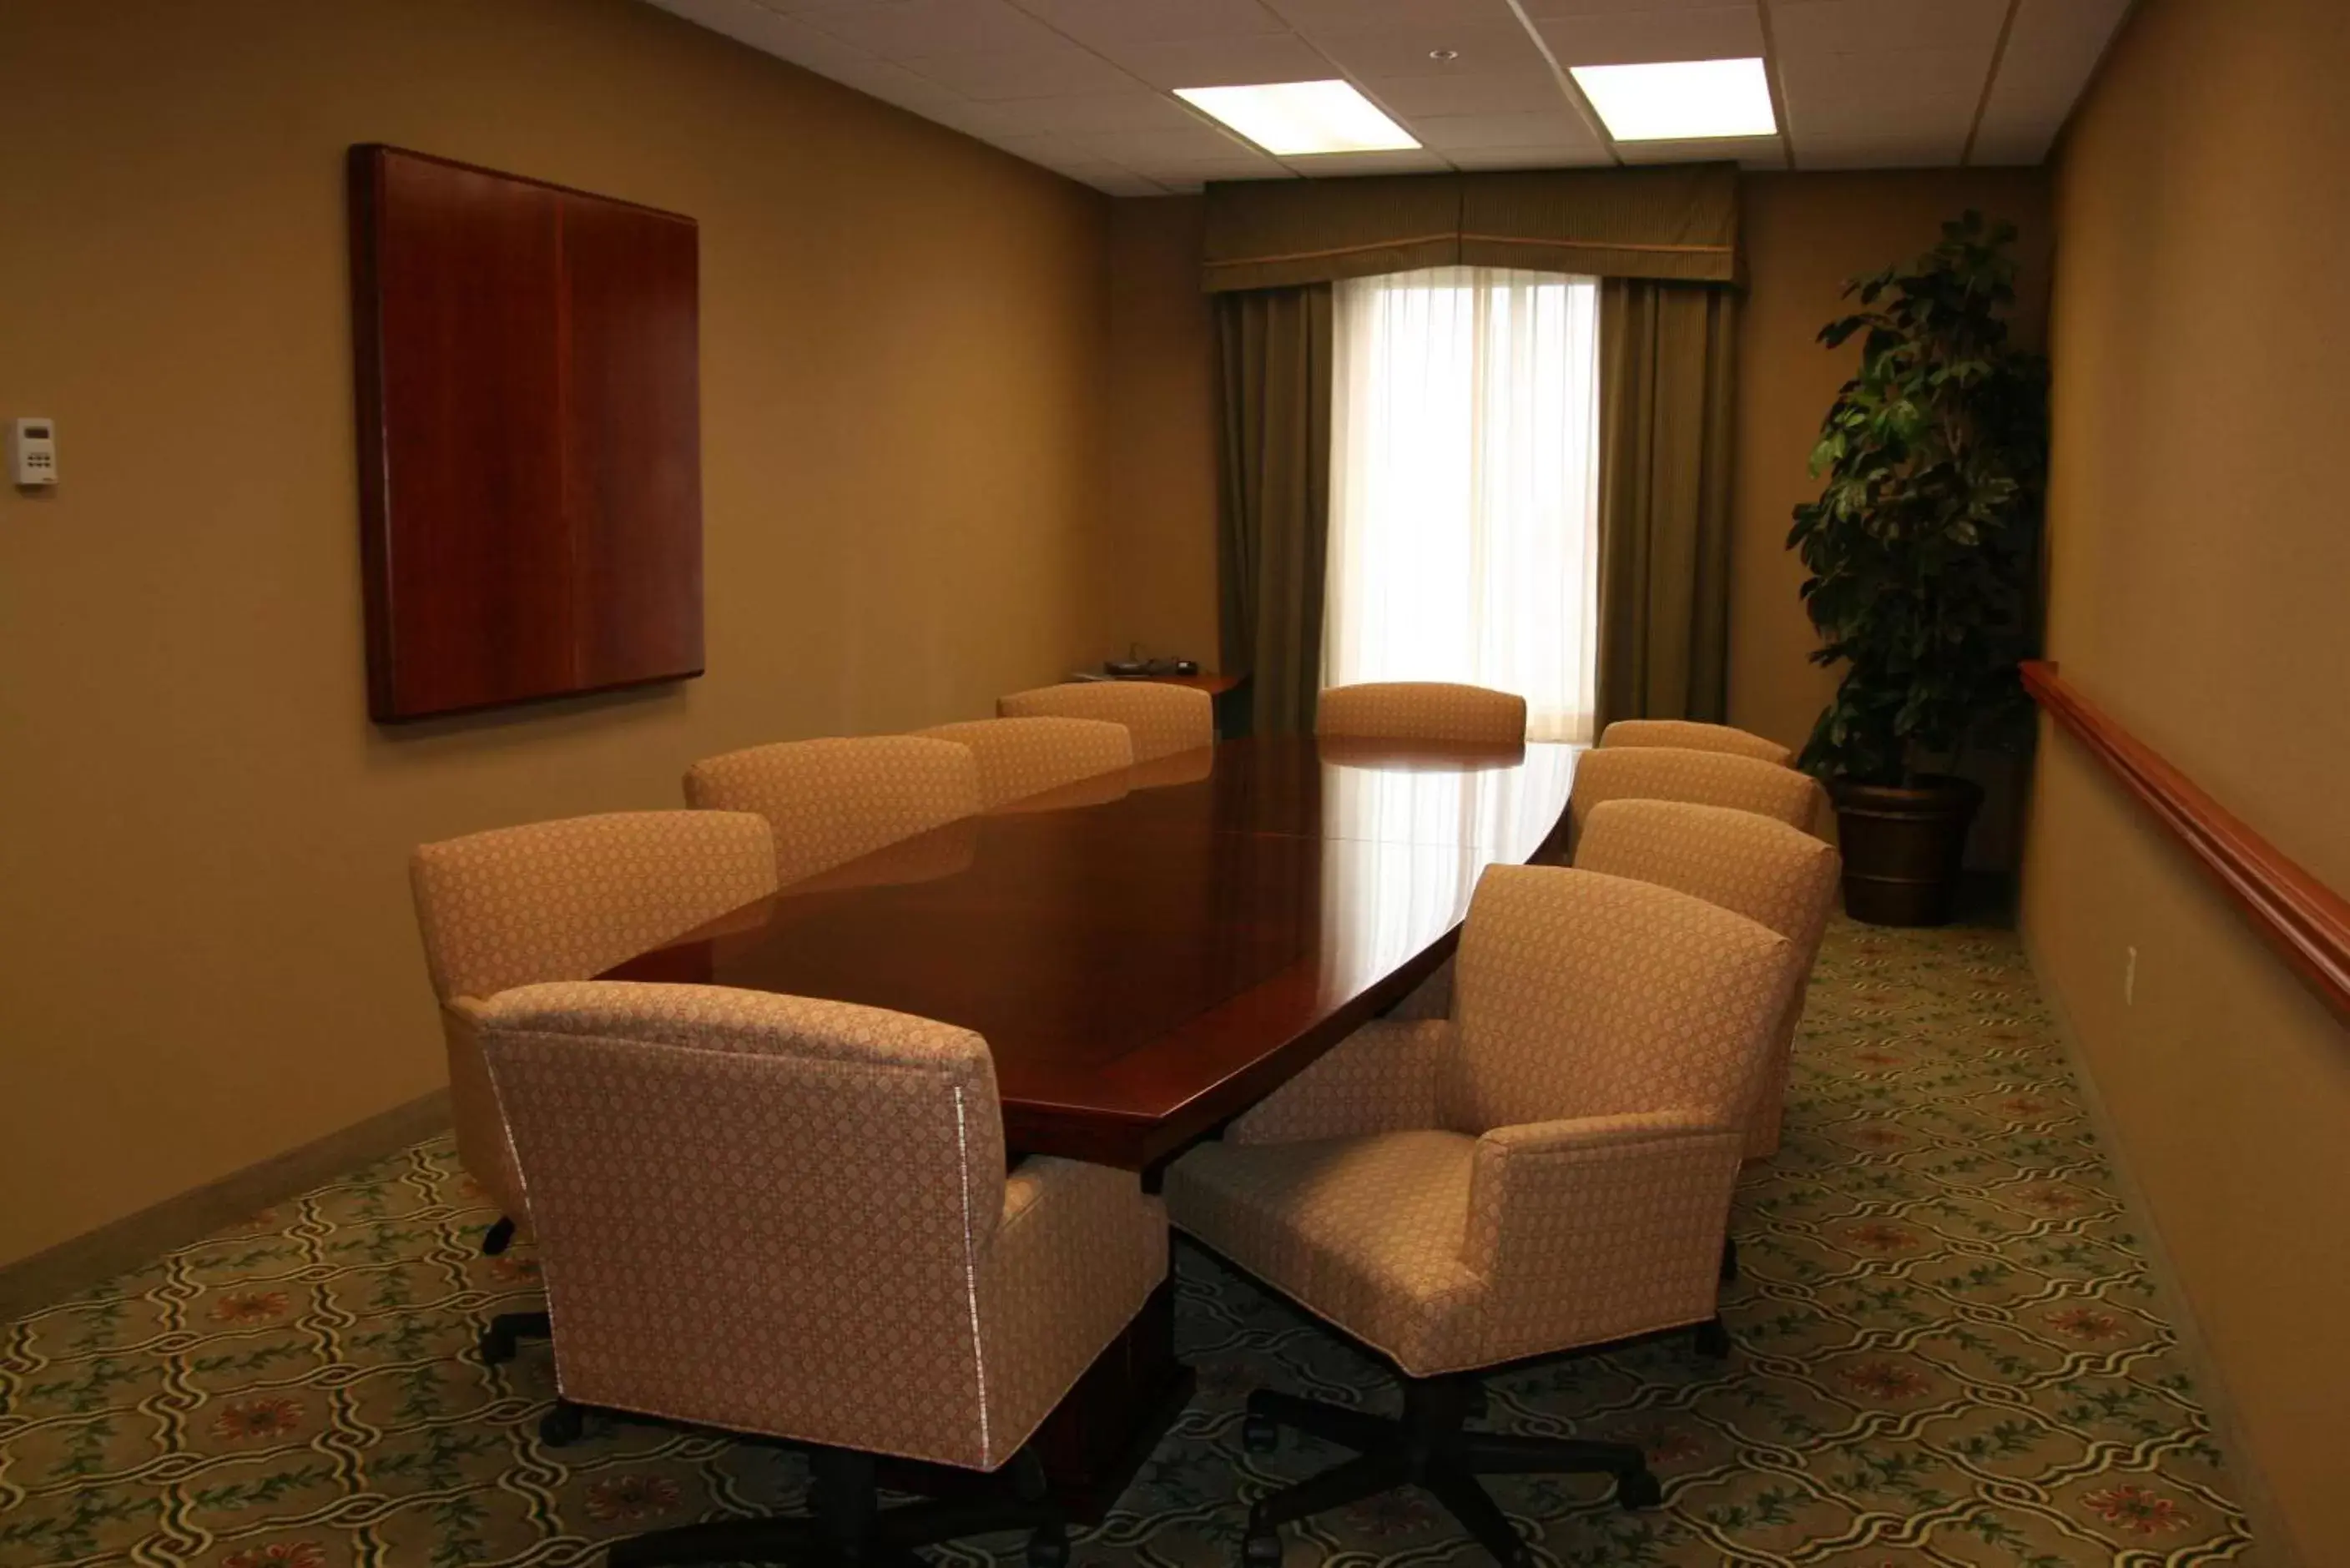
563, 901
1579, 1128
1422, 711
1703, 778
787, 1216
830, 801
1688, 735
1164, 718
1022, 757
1765, 870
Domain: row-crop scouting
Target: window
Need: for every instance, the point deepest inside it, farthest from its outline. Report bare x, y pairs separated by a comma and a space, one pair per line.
1464, 487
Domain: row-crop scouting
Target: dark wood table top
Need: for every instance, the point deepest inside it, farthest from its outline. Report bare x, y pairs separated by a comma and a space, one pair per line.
1149, 954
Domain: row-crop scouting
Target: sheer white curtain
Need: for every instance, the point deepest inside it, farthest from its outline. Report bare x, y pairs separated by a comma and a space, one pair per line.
1464, 487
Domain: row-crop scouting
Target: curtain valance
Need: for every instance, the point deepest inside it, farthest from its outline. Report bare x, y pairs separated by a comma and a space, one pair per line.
1678, 222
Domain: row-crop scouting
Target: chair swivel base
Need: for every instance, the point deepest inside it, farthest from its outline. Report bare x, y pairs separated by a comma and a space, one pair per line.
844, 1526
1428, 1448
508, 1329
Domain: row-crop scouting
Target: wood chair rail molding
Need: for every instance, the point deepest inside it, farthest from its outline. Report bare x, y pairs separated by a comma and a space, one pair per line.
2306, 920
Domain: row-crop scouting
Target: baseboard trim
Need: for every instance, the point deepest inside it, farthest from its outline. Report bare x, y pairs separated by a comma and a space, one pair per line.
73, 1266
2272, 1535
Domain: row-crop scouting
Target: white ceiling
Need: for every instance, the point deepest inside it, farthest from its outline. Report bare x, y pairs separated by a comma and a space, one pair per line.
1081, 86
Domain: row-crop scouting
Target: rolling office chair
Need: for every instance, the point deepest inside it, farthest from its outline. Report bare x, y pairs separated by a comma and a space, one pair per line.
1548, 1169
1701, 778
791, 1217
833, 800
1164, 720
1020, 758
1774, 875
1422, 711
560, 900
1689, 735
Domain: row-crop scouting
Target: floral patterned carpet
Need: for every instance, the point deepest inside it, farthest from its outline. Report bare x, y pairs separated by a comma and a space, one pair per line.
1949, 1352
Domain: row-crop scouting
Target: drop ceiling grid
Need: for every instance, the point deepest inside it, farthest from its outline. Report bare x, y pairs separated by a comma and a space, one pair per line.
1082, 85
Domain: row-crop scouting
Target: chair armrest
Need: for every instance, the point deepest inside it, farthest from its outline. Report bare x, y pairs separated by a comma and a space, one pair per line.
1075, 1253
1381, 1078
1600, 1227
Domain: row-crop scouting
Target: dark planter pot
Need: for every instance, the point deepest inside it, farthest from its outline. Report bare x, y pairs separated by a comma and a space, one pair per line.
1903, 846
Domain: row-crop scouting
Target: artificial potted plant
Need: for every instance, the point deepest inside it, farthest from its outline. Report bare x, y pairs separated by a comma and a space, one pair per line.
1921, 552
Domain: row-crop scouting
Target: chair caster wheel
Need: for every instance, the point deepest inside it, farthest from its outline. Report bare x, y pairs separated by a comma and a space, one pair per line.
562, 1425
1639, 1489
1260, 1435
1714, 1340
1261, 1549
1048, 1547
498, 1347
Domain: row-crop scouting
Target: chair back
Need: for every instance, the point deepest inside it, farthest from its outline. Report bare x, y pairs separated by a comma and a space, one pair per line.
832, 800
1164, 719
1689, 735
1700, 778
563, 901
1583, 995
1767, 871
1019, 758
764, 1213
1422, 711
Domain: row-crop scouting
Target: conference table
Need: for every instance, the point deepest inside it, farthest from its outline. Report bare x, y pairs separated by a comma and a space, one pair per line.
1148, 954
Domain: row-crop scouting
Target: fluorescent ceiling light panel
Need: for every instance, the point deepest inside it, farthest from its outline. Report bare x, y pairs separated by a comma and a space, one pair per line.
1294, 118
1680, 101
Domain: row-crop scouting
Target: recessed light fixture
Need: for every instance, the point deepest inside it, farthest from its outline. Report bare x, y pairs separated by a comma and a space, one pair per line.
1292, 119
1680, 101
1444, 55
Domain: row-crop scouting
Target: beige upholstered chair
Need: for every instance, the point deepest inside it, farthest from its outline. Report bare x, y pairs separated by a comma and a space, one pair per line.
1422, 711
1165, 719
561, 900
1022, 757
1688, 735
1701, 778
830, 801
1767, 871
1549, 1168
792, 1218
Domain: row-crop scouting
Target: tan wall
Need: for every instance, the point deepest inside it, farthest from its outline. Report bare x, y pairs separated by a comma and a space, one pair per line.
1162, 456
208, 950
2199, 562
1804, 234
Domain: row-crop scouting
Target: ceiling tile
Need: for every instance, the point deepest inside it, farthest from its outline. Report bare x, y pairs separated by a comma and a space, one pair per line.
1223, 62
1859, 27
1636, 37
1132, 110
1111, 22
751, 24
1365, 15
1541, 8
1477, 48
907, 30
1055, 72
1483, 92
1892, 79
1558, 128
2023, 143
1150, 149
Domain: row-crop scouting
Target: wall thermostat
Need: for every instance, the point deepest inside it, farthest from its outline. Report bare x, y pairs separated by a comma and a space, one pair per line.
33, 452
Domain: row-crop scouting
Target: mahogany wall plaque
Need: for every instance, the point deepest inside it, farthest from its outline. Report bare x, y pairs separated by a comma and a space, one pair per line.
529, 437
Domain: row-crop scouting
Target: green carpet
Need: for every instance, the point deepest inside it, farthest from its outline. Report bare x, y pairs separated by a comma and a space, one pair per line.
1949, 1352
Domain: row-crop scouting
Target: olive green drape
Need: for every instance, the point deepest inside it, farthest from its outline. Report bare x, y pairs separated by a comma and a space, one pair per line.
1666, 379
1273, 397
